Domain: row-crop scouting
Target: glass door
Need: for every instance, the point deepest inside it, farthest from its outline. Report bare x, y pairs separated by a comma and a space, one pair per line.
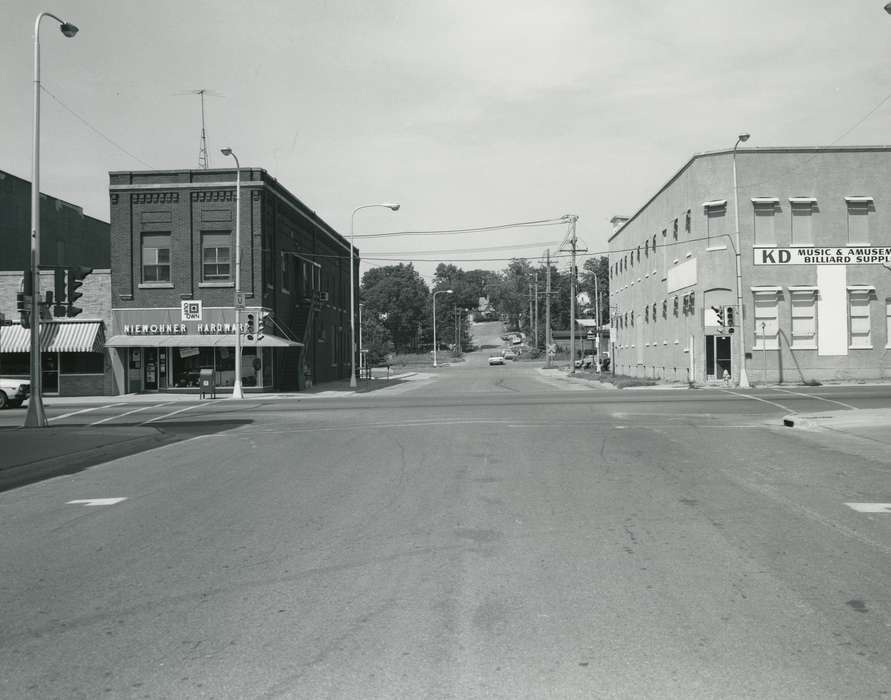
150, 365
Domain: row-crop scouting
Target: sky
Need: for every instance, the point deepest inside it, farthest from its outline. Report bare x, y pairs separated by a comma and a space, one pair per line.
468, 114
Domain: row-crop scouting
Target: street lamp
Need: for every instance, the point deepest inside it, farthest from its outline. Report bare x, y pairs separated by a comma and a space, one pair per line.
237, 392
361, 357
392, 207
36, 418
441, 291
743, 377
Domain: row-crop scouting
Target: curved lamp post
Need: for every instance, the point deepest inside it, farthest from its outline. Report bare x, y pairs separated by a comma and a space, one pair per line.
388, 205
743, 376
36, 418
441, 291
237, 392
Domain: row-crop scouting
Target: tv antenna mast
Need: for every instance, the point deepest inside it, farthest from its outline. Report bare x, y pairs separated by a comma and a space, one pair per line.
203, 159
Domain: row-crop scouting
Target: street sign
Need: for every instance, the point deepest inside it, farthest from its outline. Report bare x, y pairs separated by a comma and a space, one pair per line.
239, 301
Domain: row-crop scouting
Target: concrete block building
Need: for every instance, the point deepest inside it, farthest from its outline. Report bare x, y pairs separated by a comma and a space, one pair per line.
815, 246
173, 283
73, 358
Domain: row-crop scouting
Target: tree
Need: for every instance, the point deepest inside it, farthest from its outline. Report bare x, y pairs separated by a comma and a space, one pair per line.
399, 298
596, 267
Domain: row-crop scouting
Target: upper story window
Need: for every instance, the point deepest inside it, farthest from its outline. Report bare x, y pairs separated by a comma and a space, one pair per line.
765, 220
287, 265
802, 219
715, 211
688, 222
859, 209
216, 257
156, 257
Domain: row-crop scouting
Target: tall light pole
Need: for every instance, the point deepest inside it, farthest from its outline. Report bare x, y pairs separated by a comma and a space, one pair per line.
36, 418
441, 291
392, 207
361, 357
237, 392
741, 335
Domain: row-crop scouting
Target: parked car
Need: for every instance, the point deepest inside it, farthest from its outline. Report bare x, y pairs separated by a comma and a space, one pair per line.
13, 392
496, 360
509, 355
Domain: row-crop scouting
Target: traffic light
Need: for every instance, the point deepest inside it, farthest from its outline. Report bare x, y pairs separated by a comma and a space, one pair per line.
719, 314
75, 282
263, 324
250, 326
729, 317
20, 302
59, 309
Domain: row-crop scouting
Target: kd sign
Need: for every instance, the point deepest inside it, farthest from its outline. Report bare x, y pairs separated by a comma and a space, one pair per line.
772, 256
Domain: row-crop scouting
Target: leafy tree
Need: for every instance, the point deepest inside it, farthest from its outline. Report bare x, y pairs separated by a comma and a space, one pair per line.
596, 268
399, 298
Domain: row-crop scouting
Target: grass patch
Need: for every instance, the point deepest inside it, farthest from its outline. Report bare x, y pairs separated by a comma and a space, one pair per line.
622, 381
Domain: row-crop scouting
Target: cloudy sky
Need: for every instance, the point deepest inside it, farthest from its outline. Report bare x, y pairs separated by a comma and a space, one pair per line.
468, 113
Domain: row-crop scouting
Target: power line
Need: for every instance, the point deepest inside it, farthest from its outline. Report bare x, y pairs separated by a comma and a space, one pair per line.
93, 128
478, 229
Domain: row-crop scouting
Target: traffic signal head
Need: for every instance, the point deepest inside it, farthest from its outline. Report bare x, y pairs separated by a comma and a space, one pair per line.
263, 324
75, 282
731, 321
250, 326
59, 285
719, 313
20, 302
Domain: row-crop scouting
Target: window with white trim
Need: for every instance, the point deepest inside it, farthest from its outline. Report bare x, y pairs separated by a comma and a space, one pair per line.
860, 335
804, 319
766, 320
216, 250
888, 323
802, 220
859, 209
765, 220
156, 257
715, 222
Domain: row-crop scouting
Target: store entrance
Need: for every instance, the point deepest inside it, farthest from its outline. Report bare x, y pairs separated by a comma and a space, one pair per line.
150, 365
717, 357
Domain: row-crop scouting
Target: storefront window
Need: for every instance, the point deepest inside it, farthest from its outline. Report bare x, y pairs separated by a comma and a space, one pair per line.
187, 364
82, 363
15, 364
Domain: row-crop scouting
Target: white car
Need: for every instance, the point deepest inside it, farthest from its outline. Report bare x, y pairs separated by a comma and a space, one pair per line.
13, 392
496, 360
509, 355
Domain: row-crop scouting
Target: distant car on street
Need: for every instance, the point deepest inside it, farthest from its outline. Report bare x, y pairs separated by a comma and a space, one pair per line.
13, 392
509, 355
496, 360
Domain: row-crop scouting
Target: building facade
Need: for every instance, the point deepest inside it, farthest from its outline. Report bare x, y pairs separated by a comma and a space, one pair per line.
815, 247
73, 358
173, 283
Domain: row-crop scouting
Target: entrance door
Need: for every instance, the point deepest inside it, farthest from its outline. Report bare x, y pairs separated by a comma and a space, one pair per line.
150, 363
717, 357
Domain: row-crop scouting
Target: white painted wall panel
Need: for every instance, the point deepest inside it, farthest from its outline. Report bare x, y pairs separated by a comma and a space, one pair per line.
832, 310
683, 275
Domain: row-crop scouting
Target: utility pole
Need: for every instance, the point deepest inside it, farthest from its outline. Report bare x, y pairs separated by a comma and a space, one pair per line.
548, 312
530, 309
535, 333
573, 241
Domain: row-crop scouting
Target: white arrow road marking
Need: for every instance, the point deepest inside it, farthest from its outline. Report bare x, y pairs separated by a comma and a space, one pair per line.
870, 507
97, 501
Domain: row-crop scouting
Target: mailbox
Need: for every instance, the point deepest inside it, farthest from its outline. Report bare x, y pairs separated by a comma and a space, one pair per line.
207, 382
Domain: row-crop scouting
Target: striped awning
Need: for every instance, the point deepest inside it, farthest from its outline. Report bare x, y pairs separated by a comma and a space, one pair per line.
55, 336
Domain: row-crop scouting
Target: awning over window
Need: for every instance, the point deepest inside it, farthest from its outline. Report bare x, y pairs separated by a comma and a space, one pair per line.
55, 336
196, 341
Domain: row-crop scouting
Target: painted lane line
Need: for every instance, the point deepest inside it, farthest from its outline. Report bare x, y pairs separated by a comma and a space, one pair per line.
97, 501
84, 410
815, 396
168, 415
870, 507
758, 398
135, 410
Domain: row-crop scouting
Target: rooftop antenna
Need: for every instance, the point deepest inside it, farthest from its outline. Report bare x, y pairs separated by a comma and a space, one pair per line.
203, 159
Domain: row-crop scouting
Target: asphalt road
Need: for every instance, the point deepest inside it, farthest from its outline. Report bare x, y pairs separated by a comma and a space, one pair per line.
477, 532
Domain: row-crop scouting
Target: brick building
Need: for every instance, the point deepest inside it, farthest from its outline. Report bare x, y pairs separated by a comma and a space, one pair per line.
73, 358
815, 236
172, 262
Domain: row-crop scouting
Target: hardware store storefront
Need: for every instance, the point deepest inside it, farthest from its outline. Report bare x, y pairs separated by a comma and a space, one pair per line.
72, 356
166, 349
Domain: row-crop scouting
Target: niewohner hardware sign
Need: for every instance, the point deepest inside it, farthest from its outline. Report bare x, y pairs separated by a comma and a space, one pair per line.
848, 255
